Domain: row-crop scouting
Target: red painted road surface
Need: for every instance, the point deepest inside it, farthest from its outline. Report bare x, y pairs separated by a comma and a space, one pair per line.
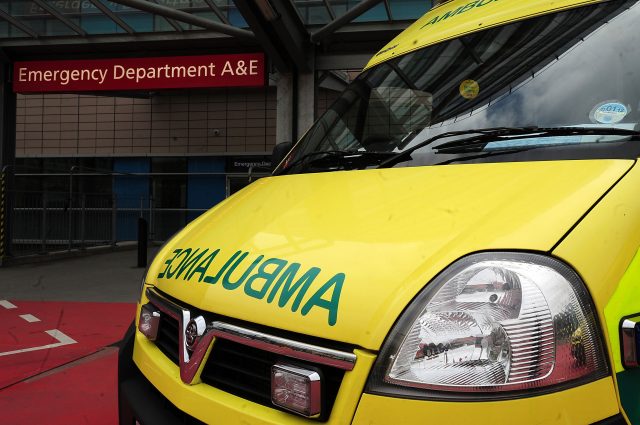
73, 379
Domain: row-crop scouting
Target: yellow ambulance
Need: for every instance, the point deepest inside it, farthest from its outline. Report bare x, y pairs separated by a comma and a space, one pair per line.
454, 241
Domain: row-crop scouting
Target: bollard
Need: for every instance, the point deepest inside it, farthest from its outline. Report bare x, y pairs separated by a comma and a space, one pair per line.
43, 225
83, 212
3, 210
114, 221
142, 242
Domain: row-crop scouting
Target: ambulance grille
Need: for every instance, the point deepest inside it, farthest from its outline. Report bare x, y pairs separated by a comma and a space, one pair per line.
243, 370
246, 372
167, 339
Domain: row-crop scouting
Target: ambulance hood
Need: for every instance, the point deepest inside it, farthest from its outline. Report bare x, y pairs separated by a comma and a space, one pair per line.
339, 255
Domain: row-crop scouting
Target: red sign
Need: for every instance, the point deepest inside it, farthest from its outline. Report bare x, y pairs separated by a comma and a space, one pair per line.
176, 72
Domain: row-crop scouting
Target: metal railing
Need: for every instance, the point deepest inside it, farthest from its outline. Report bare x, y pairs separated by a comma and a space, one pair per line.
43, 222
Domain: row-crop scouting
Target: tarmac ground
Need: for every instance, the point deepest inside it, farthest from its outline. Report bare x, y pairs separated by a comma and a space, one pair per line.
61, 323
104, 277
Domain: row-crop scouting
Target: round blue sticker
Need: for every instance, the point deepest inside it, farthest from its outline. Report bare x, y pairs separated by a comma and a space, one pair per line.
609, 113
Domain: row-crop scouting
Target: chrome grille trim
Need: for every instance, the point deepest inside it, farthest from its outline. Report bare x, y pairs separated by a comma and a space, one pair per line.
285, 346
275, 344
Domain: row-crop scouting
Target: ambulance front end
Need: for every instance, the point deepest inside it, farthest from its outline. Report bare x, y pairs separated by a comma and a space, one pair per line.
455, 241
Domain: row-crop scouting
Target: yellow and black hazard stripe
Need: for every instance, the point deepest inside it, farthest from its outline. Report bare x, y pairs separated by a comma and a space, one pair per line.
3, 212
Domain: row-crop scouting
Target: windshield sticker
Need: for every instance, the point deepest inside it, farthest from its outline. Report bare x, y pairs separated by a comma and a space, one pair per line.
268, 279
610, 112
469, 89
459, 11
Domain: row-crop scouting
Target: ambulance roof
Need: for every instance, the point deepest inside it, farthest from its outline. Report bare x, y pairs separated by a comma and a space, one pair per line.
459, 17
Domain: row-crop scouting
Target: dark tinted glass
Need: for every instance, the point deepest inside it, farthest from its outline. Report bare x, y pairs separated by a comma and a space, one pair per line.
575, 68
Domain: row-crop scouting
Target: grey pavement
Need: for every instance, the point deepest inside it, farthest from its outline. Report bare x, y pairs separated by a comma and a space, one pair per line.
100, 277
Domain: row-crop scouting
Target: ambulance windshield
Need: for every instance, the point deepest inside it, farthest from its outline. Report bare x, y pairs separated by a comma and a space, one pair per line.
577, 68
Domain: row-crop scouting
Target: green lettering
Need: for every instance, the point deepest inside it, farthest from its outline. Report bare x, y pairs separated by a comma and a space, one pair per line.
168, 263
185, 254
203, 266
190, 262
431, 22
268, 277
450, 14
214, 279
290, 288
316, 300
458, 11
228, 284
468, 6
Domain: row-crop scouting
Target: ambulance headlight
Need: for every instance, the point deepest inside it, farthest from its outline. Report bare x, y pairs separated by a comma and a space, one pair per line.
493, 323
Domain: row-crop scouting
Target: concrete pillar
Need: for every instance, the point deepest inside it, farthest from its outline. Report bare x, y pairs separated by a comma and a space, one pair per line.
306, 101
296, 102
284, 108
7, 155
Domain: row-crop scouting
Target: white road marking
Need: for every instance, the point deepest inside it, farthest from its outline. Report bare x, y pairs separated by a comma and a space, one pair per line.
30, 318
64, 339
58, 335
6, 304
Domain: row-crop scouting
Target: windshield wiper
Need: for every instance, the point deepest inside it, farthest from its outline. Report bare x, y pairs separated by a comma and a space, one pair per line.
482, 137
475, 144
492, 152
343, 158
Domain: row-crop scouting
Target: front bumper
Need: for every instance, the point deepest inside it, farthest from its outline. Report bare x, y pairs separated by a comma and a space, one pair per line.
150, 391
138, 399
153, 373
